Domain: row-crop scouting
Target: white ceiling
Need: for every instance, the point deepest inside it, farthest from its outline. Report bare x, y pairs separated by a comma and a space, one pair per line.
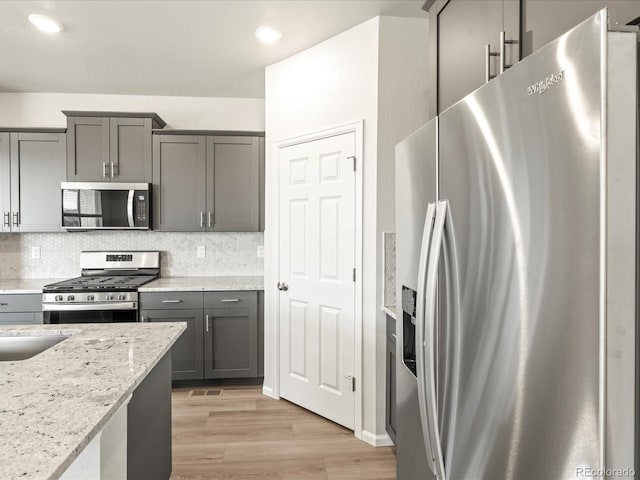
182, 48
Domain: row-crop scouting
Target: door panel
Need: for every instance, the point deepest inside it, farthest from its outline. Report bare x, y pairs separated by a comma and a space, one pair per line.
233, 184
317, 256
187, 351
87, 149
231, 342
130, 150
179, 195
38, 166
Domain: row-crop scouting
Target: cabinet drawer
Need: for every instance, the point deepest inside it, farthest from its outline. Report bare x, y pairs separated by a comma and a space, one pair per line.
20, 303
170, 300
230, 299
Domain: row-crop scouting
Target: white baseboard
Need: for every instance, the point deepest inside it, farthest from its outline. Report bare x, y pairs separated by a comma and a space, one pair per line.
268, 391
383, 440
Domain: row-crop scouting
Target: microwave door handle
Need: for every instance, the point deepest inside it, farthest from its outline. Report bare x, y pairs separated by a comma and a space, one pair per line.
423, 272
130, 208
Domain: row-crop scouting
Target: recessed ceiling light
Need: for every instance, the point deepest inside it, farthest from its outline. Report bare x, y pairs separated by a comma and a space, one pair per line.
44, 23
267, 34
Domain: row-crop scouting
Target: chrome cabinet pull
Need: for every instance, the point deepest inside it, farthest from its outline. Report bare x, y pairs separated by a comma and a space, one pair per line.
105, 172
487, 65
230, 300
3, 304
201, 219
114, 170
141, 318
206, 323
171, 301
16, 219
503, 43
7, 219
210, 214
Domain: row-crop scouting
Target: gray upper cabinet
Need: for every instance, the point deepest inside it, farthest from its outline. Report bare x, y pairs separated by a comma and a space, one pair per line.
110, 146
233, 184
179, 183
545, 20
32, 165
461, 61
208, 183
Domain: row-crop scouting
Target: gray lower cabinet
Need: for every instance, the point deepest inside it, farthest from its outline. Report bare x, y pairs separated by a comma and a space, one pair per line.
221, 340
32, 165
110, 146
390, 409
187, 351
231, 335
20, 309
207, 183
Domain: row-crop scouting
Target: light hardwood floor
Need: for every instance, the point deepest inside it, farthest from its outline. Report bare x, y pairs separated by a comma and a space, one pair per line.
240, 434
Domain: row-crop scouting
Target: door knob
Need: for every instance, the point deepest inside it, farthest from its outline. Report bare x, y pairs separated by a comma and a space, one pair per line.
283, 287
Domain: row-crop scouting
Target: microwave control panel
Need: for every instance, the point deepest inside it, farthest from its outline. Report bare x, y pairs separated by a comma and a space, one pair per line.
141, 208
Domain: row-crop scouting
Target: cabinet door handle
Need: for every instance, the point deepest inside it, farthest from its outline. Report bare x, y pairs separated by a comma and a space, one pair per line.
210, 214
141, 318
7, 219
3, 304
171, 301
111, 169
105, 172
16, 219
114, 170
487, 65
230, 300
206, 323
503, 58
201, 219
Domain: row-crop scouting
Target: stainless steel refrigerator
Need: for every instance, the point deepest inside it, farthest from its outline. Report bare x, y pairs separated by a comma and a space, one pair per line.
517, 274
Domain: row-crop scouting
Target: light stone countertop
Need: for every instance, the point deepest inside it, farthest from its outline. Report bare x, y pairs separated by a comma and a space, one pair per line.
203, 284
25, 285
52, 405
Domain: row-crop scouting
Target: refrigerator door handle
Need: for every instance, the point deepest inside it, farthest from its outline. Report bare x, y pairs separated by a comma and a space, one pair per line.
429, 337
425, 250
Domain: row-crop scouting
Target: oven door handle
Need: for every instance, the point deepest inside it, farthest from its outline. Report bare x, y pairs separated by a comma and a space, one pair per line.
62, 307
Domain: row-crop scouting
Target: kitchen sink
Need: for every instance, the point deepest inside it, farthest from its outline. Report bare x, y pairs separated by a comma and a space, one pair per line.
23, 347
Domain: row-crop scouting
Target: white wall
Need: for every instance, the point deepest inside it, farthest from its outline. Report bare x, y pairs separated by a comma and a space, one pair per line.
44, 110
334, 83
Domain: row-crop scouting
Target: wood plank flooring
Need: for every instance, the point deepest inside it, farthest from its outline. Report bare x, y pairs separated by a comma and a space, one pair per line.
240, 434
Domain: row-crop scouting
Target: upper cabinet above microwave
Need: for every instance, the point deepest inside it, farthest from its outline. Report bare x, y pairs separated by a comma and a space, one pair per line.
110, 146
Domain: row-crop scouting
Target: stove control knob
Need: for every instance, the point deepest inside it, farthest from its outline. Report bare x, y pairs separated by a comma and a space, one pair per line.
71, 298
121, 297
90, 297
109, 297
58, 298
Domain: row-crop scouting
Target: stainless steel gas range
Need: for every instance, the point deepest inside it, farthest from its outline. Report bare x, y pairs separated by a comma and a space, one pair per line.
107, 290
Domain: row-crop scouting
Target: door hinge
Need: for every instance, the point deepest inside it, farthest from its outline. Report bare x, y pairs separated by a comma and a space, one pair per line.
352, 157
354, 274
352, 380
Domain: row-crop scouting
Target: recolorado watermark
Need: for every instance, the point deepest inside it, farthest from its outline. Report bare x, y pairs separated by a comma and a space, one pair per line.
588, 472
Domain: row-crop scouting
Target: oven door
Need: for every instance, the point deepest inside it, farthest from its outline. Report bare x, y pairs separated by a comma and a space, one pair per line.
91, 313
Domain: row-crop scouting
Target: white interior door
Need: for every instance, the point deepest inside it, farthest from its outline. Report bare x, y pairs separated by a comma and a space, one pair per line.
317, 260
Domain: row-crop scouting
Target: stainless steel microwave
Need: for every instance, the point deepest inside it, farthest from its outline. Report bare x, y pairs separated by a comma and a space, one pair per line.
106, 206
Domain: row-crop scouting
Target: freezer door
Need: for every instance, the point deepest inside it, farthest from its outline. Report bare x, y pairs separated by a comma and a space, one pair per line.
415, 189
521, 166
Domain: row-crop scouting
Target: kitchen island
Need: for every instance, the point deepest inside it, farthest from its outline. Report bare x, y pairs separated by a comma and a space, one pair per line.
58, 402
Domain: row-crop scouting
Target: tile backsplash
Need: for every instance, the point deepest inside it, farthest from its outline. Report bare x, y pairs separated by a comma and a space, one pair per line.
226, 253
